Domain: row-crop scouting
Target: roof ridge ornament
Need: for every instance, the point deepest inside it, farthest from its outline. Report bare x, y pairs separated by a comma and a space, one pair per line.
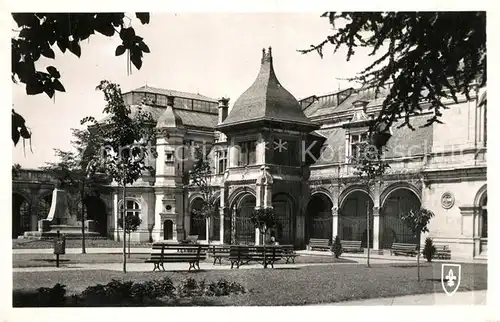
267, 57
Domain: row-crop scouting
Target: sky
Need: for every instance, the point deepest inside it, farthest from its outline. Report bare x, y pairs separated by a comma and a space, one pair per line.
214, 54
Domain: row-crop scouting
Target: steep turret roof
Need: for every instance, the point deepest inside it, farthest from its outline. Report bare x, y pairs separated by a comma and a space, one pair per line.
268, 101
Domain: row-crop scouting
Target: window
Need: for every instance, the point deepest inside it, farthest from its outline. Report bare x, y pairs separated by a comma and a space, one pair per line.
161, 100
133, 208
169, 156
221, 161
356, 141
247, 153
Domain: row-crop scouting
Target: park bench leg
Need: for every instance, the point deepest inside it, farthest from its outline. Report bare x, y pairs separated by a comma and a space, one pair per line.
155, 266
215, 260
198, 264
163, 267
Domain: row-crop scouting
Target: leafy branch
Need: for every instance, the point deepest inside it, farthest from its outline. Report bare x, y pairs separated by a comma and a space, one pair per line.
423, 59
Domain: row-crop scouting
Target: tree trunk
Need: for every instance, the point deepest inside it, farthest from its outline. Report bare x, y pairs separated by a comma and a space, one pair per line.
368, 233
129, 244
124, 225
418, 257
82, 193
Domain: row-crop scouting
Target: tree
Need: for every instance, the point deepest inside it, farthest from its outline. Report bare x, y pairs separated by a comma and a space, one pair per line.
424, 57
369, 167
417, 220
76, 177
132, 222
429, 249
39, 32
337, 247
264, 219
199, 178
124, 142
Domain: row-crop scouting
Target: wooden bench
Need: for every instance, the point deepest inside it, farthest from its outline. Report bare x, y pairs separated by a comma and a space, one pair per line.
442, 252
218, 252
317, 243
404, 249
351, 246
288, 253
263, 255
176, 253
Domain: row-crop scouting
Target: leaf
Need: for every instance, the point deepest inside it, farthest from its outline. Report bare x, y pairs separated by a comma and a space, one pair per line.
49, 90
74, 47
48, 52
143, 17
136, 60
33, 88
144, 47
120, 50
53, 72
62, 44
15, 136
58, 86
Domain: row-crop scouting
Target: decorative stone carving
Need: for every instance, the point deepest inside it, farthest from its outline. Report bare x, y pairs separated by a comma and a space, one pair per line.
447, 200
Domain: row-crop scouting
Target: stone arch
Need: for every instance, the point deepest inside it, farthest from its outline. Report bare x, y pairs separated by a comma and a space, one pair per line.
21, 214
198, 224
238, 194
242, 203
352, 189
193, 197
396, 186
397, 199
321, 190
480, 195
354, 204
480, 204
97, 210
285, 207
318, 219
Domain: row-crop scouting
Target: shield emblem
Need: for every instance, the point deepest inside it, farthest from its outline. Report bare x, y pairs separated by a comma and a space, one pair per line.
450, 277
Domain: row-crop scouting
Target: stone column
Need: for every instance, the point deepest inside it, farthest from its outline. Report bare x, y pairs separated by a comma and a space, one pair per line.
233, 225
260, 150
376, 227
221, 225
233, 154
335, 222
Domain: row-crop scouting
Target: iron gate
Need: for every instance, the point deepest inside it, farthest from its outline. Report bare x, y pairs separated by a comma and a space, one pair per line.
320, 227
394, 230
198, 227
245, 231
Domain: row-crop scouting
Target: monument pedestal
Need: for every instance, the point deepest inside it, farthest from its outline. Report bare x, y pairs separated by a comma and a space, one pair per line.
60, 220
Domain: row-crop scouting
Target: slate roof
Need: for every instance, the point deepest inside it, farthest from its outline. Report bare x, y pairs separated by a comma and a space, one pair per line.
170, 92
404, 141
267, 100
187, 117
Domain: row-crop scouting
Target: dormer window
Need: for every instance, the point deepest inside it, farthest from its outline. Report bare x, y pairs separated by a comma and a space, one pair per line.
356, 141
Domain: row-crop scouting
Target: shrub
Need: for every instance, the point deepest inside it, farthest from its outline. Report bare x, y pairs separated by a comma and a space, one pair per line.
189, 287
337, 247
42, 297
429, 249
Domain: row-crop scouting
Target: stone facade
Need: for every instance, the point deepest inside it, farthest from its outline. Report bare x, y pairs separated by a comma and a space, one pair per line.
312, 185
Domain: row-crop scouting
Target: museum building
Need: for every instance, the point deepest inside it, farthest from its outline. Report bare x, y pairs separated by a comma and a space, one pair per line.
271, 149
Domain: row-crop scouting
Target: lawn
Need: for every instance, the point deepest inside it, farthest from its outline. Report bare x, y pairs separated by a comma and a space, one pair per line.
292, 286
47, 260
74, 243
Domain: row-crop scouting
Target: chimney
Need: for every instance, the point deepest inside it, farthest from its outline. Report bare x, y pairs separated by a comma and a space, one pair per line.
170, 100
223, 109
360, 104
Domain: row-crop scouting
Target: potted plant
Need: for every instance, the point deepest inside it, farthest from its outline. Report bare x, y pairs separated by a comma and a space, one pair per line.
429, 249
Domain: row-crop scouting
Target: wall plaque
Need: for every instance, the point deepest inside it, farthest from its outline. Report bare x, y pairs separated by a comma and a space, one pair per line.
447, 200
